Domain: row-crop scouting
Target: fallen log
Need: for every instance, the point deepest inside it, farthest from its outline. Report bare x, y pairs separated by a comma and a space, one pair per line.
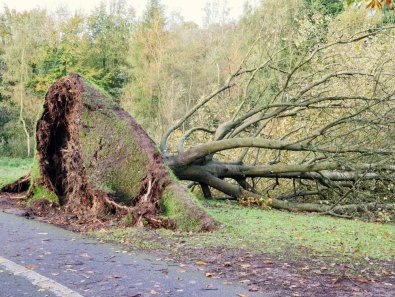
98, 161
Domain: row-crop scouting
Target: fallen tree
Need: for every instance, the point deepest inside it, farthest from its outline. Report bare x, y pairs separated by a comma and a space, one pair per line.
316, 140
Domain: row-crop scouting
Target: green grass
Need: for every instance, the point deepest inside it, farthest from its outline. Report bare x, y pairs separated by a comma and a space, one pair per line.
272, 232
276, 231
13, 168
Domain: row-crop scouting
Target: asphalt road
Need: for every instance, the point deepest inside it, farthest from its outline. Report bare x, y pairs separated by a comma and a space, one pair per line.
12, 285
90, 268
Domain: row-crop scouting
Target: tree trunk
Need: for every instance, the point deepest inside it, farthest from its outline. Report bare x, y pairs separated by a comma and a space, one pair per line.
98, 160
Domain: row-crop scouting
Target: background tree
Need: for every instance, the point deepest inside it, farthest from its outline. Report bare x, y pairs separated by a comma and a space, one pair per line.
23, 42
143, 93
94, 45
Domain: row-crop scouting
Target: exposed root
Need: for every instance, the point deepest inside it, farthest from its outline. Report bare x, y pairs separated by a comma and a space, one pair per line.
145, 198
20, 185
117, 206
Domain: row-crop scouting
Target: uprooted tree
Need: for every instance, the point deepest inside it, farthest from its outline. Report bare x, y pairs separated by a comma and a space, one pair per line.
318, 130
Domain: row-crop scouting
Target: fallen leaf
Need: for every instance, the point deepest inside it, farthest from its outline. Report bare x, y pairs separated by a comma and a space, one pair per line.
362, 280
245, 281
384, 272
31, 267
113, 276
201, 263
153, 292
208, 274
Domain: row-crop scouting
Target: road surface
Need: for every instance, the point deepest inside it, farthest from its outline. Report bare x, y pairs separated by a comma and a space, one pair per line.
38, 259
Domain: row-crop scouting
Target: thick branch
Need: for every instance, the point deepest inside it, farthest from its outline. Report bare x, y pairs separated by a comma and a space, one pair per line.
203, 150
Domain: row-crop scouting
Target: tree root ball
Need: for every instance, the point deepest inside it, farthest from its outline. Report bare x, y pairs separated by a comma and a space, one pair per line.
98, 161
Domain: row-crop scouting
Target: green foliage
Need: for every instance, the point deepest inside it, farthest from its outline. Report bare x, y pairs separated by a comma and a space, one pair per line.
93, 46
144, 60
326, 7
388, 14
8, 123
38, 48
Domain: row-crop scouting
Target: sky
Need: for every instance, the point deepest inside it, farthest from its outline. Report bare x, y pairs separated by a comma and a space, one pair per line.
191, 10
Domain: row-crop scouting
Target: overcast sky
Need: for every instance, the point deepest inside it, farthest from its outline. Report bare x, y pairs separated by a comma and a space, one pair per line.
191, 10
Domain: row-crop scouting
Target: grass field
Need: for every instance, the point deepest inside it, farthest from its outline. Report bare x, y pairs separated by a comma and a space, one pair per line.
13, 168
272, 232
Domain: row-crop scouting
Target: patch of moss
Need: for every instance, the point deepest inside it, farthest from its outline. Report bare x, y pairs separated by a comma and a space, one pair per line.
40, 192
92, 92
180, 207
35, 171
106, 143
37, 191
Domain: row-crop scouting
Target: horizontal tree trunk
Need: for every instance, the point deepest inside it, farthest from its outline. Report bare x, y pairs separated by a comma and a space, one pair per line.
212, 147
322, 171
